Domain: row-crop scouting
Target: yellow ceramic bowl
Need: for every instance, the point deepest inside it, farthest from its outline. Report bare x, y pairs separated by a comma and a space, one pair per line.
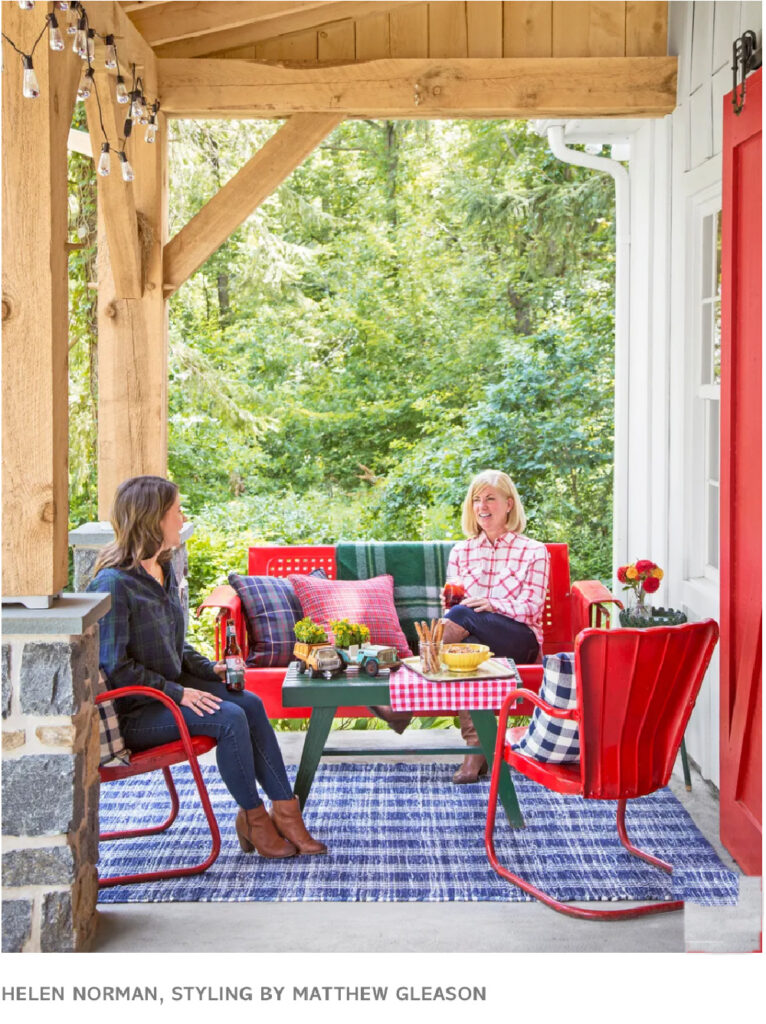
462, 657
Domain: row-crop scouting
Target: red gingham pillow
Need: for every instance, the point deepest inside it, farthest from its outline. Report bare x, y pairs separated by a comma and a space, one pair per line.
368, 601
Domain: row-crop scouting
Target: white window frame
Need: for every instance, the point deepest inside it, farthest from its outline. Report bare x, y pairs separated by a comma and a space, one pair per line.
699, 396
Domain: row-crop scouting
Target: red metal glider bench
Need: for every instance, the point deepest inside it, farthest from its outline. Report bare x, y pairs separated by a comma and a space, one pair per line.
569, 608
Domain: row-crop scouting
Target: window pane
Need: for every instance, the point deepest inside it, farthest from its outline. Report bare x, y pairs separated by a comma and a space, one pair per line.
717, 340
708, 227
713, 441
712, 525
706, 343
718, 254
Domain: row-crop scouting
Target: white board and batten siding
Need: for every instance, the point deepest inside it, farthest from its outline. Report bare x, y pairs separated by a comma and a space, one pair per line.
672, 452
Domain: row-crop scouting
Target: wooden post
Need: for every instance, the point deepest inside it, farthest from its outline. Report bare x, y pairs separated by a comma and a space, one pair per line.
132, 313
35, 315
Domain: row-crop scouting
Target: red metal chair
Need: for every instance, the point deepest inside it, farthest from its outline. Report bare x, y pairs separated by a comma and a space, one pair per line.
187, 748
635, 692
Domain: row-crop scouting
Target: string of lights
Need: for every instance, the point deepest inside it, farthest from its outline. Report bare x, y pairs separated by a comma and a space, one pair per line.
141, 111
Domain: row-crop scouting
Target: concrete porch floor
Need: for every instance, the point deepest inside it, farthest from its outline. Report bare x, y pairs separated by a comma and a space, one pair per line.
434, 927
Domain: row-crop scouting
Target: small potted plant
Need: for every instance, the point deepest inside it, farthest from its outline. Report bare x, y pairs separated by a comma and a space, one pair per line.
349, 635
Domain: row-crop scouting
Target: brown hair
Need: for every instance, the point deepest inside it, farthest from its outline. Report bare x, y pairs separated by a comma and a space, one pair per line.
139, 506
516, 520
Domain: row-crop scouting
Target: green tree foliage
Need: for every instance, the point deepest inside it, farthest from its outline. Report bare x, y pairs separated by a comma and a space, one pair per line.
418, 301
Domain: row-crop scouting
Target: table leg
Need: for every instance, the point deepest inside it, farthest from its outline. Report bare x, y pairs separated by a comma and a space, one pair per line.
685, 765
316, 737
486, 727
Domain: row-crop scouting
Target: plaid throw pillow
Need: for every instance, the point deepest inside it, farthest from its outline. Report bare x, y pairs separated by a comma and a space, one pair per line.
271, 611
554, 739
367, 601
113, 749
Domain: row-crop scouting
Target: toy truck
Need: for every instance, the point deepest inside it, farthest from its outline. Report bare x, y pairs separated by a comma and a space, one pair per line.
318, 660
371, 658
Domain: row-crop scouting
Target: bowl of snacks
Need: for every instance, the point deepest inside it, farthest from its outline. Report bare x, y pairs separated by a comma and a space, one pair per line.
463, 657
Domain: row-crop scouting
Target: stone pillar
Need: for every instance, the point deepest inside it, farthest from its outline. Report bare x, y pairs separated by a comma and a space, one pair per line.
87, 540
50, 774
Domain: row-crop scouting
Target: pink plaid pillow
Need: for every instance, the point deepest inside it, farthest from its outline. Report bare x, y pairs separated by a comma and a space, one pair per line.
368, 601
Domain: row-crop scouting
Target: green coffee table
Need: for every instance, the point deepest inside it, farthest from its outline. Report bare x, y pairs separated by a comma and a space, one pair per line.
325, 696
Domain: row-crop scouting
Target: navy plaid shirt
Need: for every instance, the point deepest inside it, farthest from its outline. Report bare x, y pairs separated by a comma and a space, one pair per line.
142, 636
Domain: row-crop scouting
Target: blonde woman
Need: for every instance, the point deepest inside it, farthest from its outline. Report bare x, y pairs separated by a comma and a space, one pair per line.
505, 575
142, 644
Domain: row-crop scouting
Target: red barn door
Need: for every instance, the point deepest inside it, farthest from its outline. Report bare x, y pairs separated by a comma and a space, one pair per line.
741, 482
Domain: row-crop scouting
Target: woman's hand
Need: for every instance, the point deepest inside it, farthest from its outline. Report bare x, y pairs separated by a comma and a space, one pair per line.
220, 669
200, 701
479, 604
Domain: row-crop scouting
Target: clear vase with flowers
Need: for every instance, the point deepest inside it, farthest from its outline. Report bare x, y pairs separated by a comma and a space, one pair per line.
642, 578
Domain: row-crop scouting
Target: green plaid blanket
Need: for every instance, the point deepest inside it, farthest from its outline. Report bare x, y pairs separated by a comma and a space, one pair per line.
419, 571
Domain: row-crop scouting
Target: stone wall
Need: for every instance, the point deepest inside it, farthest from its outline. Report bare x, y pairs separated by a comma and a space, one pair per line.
50, 791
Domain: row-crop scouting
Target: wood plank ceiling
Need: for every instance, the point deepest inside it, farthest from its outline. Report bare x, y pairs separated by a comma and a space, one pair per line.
316, 33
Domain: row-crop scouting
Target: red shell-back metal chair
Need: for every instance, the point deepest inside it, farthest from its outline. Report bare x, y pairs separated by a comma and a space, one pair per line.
187, 748
635, 692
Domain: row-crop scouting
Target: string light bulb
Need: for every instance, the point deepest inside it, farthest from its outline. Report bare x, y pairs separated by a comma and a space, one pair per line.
127, 170
151, 130
91, 45
86, 85
135, 109
26, 5
121, 90
103, 161
110, 58
55, 38
80, 43
73, 19
29, 87
143, 117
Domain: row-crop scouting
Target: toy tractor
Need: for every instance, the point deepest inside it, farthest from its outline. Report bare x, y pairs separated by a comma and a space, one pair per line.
318, 660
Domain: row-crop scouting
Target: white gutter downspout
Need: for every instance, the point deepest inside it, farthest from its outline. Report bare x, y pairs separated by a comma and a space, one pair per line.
621, 330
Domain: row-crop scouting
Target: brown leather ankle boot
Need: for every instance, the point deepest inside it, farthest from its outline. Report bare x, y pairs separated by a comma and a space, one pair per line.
256, 831
397, 720
287, 818
469, 771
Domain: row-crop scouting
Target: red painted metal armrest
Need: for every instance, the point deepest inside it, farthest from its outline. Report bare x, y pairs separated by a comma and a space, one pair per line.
149, 691
590, 601
225, 599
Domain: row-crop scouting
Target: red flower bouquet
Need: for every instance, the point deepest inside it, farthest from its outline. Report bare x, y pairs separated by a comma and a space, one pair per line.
642, 577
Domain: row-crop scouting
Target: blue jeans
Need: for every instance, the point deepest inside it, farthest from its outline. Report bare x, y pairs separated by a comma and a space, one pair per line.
506, 637
246, 750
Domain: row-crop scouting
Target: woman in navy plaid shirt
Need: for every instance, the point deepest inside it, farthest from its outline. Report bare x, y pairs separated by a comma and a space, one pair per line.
142, 644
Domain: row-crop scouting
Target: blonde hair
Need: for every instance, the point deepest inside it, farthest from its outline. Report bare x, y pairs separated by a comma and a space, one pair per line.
515, 520
138, 509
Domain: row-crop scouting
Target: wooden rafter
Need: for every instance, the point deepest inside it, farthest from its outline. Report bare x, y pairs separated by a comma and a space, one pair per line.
188, 20
256, 31
403, 88
240, 196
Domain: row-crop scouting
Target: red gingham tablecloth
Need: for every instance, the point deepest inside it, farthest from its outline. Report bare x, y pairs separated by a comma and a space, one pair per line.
411, 692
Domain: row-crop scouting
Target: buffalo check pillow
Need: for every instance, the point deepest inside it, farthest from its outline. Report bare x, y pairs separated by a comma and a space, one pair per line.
271, 610
554, 739
370, 602
113, 750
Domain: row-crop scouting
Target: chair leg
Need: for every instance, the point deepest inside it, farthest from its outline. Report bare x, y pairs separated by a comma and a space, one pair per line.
154, 829
563, 908
623, 834
215, 835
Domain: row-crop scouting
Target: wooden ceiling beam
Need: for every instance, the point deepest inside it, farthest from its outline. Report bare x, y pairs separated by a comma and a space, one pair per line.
116, 196
132, 47
189, 20
314, 16
423, 88
142, 5
240, 196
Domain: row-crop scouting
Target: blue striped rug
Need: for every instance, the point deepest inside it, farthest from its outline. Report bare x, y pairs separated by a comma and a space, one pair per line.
402, 832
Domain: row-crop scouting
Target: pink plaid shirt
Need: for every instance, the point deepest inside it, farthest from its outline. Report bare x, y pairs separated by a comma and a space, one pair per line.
512, 573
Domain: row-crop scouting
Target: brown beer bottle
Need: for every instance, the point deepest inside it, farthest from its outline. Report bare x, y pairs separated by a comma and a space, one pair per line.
232, 655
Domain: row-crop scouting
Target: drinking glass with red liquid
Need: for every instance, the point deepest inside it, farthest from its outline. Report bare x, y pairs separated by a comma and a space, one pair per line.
454, 592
